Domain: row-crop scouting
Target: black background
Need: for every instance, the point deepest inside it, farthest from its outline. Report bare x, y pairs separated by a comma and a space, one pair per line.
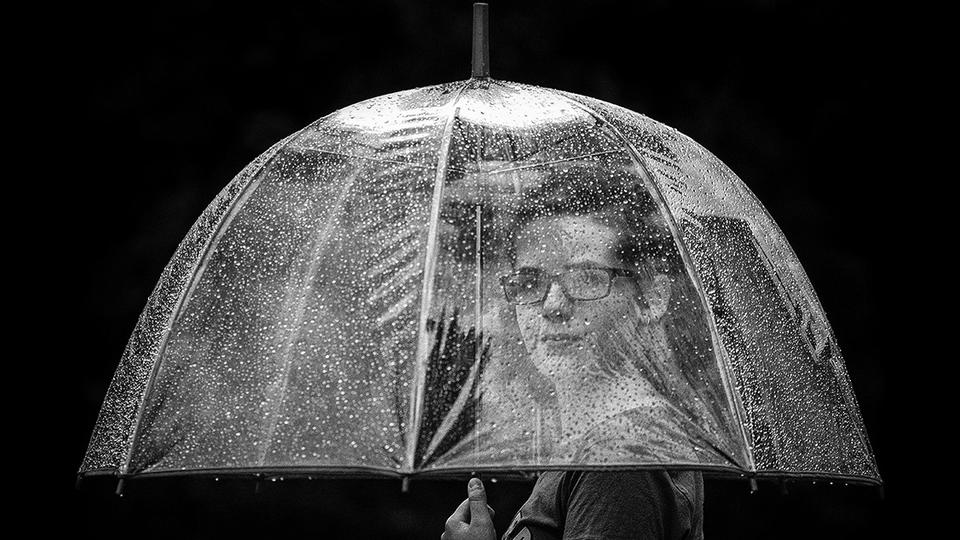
157, 107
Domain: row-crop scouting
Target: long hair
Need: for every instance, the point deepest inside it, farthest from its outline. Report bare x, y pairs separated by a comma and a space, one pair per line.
680, 362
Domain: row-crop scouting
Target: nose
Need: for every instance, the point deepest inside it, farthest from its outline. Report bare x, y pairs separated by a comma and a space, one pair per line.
557, 306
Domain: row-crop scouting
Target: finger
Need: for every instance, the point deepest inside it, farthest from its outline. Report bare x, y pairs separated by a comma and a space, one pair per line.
493, 513
460, 515
477, 496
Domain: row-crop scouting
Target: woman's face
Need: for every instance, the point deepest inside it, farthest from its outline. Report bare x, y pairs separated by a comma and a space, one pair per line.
561, 334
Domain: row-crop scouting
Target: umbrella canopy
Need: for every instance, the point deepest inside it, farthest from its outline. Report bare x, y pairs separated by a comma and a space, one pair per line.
483, 275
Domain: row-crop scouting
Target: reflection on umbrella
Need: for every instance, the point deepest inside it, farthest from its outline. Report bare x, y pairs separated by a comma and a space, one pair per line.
800, 412
454, 370
482, 275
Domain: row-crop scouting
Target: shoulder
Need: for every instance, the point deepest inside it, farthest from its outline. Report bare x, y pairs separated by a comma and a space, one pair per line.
630, 504
627, 486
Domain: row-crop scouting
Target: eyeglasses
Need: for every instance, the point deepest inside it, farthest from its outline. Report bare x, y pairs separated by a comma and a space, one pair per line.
531, 285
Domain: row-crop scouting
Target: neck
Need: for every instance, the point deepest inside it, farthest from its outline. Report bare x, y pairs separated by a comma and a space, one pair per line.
592, 396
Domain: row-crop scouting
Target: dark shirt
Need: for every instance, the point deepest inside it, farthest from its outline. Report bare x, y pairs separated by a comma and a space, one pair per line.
578, 505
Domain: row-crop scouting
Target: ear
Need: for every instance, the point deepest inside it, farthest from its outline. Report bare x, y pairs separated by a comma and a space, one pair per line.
657, 297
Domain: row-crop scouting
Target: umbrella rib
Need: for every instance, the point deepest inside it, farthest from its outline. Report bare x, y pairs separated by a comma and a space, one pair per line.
664, 209
417, 392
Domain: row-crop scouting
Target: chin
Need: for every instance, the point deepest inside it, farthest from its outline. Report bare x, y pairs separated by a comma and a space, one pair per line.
560, 361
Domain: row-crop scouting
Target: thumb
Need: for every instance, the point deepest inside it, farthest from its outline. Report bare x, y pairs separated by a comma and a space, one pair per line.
479, 511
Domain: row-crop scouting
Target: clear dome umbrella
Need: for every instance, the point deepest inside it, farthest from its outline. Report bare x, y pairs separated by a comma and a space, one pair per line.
482, 276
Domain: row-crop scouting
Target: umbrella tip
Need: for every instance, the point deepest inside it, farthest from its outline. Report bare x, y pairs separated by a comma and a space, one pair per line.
481, 41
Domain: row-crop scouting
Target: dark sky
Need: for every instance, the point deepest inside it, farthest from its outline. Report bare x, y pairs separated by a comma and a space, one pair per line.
163, 104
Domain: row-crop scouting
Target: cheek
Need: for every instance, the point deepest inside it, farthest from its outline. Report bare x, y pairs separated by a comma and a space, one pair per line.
615, 310
527, 320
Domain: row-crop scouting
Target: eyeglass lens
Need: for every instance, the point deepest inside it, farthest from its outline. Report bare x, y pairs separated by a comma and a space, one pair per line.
579, 284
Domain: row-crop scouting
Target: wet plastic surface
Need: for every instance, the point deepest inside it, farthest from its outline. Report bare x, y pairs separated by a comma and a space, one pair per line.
483, 276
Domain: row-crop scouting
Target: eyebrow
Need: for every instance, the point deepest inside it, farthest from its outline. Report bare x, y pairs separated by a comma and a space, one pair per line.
585, 264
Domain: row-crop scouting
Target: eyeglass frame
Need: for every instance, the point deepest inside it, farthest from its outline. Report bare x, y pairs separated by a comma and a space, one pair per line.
554, 278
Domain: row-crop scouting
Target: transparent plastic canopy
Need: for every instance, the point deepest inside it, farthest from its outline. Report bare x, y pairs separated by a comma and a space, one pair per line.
483, 276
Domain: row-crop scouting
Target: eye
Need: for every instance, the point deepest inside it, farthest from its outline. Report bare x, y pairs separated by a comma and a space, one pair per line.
593, 277
528, 280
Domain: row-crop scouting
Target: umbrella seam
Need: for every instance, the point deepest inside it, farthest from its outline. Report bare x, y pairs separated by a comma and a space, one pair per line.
422, 354
731, 394
321, 240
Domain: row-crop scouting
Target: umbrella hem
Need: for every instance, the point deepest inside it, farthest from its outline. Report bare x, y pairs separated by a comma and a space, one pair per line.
459, 473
